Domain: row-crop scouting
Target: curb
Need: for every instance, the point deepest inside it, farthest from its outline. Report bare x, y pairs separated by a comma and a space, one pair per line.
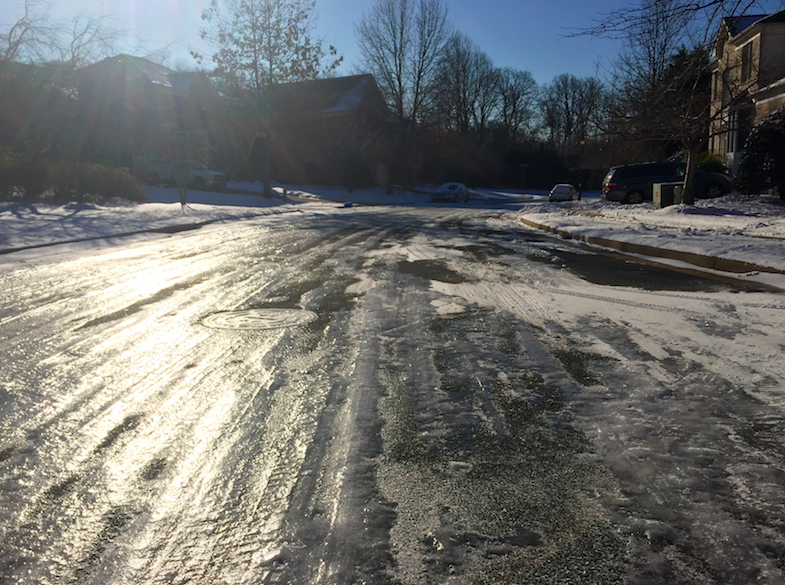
710, 262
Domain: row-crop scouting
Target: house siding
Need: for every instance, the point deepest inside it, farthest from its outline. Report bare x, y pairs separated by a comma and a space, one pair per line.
746, 66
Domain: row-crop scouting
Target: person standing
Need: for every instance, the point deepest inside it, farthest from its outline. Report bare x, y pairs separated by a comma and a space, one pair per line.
181, 176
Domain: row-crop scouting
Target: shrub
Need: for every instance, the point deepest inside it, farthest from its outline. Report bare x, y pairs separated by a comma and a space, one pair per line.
94, 183
21, 178
762, 163
711, 163
10, 163
62, 181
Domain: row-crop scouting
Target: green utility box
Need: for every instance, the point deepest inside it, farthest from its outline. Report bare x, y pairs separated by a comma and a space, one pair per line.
665, 194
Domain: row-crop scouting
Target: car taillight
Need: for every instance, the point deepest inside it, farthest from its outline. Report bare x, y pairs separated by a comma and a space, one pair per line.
609, 186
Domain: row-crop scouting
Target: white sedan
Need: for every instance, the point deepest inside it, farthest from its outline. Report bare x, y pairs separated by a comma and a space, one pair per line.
564, 192
451, 192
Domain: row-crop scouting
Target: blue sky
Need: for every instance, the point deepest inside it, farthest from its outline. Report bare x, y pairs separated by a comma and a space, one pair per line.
529, 35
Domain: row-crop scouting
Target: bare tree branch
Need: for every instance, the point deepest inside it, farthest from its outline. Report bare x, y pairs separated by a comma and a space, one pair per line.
29, 38
704, 14
400, 42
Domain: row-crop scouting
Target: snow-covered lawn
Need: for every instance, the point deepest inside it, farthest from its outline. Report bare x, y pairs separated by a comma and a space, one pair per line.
736, 227
735, 214
30, 225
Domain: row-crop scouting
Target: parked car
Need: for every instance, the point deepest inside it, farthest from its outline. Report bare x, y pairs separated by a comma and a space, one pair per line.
564, 192
202, 177
634, 183
451, 192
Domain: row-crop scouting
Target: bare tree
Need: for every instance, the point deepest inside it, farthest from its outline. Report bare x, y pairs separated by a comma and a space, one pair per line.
569, 106
37, 105
517, 92
487, 96
85, 39
650, 45
34, 38
400, 43
663, 83
469, 88
30, 38
703, 14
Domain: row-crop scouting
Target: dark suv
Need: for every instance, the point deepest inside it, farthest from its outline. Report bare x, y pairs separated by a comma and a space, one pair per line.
633, 183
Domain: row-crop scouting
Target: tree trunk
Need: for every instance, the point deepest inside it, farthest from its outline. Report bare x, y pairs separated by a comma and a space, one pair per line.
688, 194
406, 145
266, 158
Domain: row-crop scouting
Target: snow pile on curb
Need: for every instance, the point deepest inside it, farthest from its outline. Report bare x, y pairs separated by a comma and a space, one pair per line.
735, 227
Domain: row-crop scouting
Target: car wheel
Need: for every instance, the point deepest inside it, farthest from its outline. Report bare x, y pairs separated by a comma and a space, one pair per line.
634, 197
714, 190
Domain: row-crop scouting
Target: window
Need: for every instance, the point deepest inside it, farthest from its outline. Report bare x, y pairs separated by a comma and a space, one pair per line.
662, 170
730, 135
746, 62
739, 125
715, 86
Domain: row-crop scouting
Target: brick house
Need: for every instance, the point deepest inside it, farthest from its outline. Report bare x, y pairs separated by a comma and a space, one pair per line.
748, 80
335, 131
131, 106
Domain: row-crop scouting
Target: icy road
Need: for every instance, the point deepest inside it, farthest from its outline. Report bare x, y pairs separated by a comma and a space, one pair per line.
385, 396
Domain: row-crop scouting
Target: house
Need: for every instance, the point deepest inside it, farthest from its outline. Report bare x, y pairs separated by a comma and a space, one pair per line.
334, 131
748, 80
131, 106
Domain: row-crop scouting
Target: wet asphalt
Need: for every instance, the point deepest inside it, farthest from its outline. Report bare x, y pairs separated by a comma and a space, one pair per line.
378, 397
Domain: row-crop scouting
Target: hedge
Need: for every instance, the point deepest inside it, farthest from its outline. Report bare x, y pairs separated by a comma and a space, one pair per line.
61, 182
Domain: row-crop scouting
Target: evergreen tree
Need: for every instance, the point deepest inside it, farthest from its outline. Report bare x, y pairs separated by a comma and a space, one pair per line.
762, 164
258, 43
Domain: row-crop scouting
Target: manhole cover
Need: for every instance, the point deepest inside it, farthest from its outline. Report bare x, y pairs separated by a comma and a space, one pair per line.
259, 319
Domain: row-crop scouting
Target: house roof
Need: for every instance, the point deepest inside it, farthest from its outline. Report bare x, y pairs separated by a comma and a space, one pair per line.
334, 95
141, 70
738, 24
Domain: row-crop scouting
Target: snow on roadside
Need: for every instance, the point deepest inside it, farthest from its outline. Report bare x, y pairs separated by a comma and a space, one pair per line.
27, 225
750, 229
737, 227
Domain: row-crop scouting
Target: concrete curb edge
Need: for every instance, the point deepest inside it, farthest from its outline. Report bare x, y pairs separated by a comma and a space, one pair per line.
710, 262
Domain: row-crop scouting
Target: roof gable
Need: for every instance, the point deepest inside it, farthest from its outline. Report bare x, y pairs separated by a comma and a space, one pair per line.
332, 95
736, 25
140, 70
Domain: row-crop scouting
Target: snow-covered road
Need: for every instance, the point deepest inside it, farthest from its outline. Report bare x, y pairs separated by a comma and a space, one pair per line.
451, 403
